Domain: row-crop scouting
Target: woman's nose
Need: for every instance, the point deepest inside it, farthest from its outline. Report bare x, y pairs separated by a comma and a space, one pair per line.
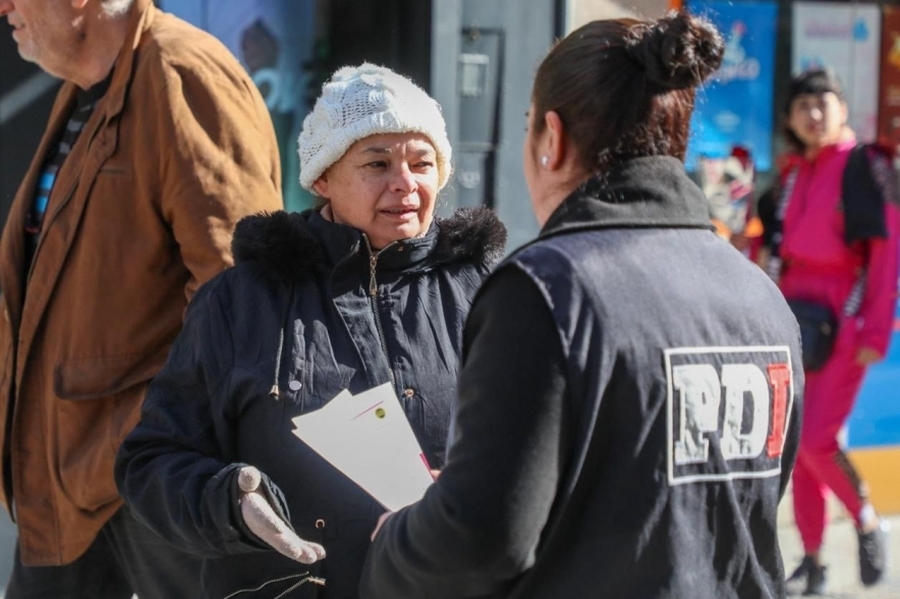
403, 180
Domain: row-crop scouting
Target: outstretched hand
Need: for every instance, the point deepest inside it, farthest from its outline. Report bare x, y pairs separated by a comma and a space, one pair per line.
867, 356
262, 520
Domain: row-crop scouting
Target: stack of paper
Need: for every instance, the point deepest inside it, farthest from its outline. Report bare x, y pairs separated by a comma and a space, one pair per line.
368, 438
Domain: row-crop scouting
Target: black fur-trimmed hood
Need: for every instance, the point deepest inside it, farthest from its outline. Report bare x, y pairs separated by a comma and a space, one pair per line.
285, 244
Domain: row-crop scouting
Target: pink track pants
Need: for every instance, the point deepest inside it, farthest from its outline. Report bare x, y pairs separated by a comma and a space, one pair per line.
821, 464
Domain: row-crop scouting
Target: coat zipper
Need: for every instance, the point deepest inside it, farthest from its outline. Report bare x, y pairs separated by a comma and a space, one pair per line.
373, 302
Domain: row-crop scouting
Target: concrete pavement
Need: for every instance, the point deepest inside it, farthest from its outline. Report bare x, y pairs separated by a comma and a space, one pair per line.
7, 547
839, 554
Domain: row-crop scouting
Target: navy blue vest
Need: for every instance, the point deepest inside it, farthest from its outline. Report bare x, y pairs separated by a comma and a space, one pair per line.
683, 366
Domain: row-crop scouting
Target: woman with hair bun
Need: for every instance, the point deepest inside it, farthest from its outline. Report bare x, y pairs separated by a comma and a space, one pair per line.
629, 394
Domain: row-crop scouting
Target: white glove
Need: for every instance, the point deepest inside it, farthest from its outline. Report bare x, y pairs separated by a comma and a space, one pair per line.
262, 520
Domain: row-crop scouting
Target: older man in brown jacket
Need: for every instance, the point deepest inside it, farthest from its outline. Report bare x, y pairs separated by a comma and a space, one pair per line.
158, 143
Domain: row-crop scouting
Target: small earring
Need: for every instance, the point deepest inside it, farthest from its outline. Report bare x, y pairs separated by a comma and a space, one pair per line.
545, 160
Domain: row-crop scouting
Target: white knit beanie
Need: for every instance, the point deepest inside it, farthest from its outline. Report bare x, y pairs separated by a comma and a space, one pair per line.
367, 100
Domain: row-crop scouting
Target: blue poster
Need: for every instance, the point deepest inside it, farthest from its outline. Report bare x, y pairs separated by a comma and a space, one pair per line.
275, 41
734, 108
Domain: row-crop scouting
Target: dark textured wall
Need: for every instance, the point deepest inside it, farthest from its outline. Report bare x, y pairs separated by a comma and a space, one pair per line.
394, 33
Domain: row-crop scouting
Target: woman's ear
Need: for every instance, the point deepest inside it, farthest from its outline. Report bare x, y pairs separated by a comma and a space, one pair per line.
555, 140
321, 185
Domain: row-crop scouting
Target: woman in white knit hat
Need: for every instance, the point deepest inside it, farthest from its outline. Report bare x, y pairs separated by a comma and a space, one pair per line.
367, 289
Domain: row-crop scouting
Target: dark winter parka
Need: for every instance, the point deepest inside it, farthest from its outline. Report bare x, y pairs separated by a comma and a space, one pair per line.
308, 311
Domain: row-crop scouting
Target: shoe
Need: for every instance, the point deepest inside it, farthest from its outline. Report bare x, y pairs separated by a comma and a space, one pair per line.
807, 579
873, 553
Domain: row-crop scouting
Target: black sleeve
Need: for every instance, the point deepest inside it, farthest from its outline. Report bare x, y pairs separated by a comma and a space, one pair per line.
478, 526
170, 469
864, 191
766, 208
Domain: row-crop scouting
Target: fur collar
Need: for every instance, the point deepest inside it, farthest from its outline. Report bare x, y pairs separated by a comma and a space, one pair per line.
285, 245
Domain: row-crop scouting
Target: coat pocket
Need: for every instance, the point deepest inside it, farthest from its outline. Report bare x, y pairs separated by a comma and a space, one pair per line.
101, 402
105, 376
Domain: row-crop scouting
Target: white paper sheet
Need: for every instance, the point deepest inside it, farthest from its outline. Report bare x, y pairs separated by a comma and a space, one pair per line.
368, 438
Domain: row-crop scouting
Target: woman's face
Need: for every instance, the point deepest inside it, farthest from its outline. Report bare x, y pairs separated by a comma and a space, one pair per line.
384, 185
817, 119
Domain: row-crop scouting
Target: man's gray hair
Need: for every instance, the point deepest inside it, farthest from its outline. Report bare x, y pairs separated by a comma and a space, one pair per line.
116, 8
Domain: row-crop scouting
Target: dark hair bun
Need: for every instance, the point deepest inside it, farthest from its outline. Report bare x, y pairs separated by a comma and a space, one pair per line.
677, 51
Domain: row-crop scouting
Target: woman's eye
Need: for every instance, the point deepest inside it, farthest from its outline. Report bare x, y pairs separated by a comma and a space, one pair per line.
377, 164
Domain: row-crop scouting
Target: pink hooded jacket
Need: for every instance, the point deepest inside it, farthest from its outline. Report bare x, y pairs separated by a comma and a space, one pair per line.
820, 266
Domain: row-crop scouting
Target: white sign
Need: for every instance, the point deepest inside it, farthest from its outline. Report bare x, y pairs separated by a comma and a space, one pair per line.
846, 39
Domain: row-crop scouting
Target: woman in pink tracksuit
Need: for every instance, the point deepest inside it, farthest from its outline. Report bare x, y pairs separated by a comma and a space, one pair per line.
829, 255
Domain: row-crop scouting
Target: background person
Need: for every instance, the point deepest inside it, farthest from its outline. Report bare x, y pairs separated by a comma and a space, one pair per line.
367, 290
157, 144
607, 448
832, 232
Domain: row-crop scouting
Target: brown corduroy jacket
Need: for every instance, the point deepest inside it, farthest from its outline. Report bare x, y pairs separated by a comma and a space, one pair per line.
179, 148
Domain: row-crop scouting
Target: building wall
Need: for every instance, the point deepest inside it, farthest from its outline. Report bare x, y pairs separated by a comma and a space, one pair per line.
583, 11
484, 56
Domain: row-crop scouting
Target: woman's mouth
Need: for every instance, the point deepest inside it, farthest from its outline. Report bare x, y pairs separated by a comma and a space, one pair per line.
402, 212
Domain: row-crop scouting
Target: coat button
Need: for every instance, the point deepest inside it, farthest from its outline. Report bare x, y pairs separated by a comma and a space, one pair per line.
320, 524
409, 392
295, 385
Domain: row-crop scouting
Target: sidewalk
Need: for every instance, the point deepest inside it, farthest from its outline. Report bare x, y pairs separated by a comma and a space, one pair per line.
839, 554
